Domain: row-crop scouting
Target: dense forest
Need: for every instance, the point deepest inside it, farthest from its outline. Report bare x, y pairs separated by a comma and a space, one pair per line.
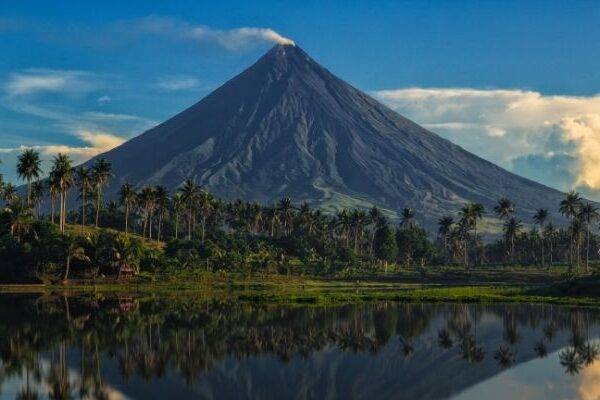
42, 237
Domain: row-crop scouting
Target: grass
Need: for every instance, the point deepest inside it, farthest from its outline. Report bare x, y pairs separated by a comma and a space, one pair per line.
278, 289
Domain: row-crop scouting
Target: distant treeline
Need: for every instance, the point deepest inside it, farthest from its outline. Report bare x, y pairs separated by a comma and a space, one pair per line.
201, 231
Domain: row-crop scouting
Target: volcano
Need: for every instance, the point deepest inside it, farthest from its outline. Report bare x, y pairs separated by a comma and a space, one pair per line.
287, 127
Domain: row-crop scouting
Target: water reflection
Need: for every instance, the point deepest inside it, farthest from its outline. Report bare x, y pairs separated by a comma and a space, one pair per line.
113, 347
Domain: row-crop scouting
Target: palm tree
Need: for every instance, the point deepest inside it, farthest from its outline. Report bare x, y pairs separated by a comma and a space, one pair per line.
83, 179
205, 207
9, 192
178, 206
588, 213
190, 192
127, 197
540, 217
37, 196
549, 234
147, 200
54, 191
74, 250
505, 208
28, 168
407, 217
470, 213
162, 202
62, 172
444, 229
19, 218
101, 172
569, 207
512, 227
285, 209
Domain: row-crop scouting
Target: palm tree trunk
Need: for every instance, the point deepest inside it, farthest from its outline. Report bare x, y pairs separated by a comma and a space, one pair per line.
126, 217
587, 250
52, 200
83, 209
67, 268
98, 195
176, 225
28, 191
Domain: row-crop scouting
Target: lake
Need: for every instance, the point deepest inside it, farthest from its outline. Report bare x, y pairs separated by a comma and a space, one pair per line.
120, 346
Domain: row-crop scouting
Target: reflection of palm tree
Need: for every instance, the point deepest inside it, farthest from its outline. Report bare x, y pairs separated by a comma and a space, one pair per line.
588, 353
569, 358
504, 356
540, 349
469, 350
444, 339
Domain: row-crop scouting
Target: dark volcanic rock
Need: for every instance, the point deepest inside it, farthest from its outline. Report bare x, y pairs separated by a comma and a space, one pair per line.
286, 126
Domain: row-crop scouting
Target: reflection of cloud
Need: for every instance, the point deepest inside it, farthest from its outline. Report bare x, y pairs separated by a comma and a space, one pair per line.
505, 126
589, 382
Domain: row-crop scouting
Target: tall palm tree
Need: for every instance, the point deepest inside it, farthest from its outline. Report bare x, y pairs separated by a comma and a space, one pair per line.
407, 217
162, 203
62, 172
147, 199
512, 228
19, 218
205, 207
470, 214
37, 196
127, 197
29, 168
84, 182
569, 207
588, 213
444, 229
54, 191
285, 209
177, 206
190, 192
505, 208
540, 217
549, 234
101, 171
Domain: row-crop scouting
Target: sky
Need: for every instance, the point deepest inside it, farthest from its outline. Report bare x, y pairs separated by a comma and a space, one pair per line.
515, 82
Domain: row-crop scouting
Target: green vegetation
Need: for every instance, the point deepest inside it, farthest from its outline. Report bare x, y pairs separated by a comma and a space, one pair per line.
156, 235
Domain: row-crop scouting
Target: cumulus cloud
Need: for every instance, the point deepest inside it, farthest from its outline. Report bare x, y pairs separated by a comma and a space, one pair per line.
176, 83
41, 80
232, 39
513, 128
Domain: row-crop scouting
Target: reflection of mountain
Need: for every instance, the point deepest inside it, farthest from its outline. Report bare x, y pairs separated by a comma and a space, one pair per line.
429, 373
229, 350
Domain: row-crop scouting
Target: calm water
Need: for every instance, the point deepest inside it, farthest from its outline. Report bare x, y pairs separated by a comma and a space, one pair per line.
121, 347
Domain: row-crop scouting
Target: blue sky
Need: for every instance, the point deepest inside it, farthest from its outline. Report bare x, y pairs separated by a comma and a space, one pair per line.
515, 82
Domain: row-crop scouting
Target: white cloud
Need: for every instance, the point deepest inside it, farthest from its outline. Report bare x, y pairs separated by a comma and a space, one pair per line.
506, 126
40, 80
102, 100
232, 39
176, 83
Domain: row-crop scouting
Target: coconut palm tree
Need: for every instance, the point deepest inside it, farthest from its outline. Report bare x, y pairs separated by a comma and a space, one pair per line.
54, 191
190, 192
504, 208
162, 203
285, 209
569, 207
588, 213
177, 206
101, 172
19, 218
9, 192
62, 172
205, 207
512, 228
407, 218
127, 197
147, 200
37, 196
444, 228
29, 168
84, 182
470, 214
540, 217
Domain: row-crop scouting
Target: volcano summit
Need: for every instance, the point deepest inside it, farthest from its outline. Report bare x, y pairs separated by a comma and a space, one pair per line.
287, 127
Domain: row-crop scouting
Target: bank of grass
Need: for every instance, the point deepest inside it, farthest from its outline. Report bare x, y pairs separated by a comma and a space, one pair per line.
278, 289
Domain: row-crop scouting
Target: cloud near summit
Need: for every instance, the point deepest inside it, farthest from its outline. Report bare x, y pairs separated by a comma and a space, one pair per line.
521, 130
